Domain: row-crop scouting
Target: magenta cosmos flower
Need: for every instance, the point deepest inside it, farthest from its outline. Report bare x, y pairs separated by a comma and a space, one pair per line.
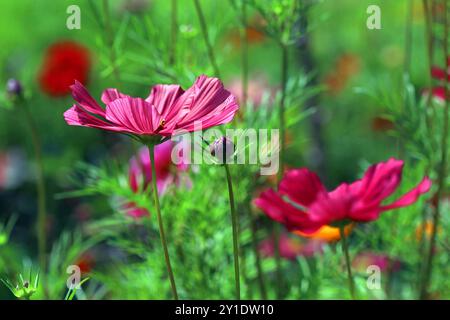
167, 173
167, 110
303, 204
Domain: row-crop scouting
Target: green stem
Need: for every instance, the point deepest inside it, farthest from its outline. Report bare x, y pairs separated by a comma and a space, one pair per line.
351, 284
110, 40
282, 123
244, 43
160, 224
173, 33
204, 28
234, 223
282, 111
41, 191
442, 172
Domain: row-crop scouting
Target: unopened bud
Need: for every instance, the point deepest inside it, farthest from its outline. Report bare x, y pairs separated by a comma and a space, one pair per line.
222, 149
14, 87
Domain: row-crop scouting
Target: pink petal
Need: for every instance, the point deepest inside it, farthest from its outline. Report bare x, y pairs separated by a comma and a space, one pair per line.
82, 96
438, 73
279, 210
301, 186
163, 98
135, 115
379, 181
410, 197
109, 95
77, 116
207, 102
332, 207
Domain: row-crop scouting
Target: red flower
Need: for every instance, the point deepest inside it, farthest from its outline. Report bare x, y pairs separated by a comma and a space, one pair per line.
303, 204
64, 62
443, 76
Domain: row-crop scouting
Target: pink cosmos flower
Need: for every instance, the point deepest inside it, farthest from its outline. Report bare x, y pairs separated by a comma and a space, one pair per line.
167, 173
290, 248
303, 204
165, 111
384, 262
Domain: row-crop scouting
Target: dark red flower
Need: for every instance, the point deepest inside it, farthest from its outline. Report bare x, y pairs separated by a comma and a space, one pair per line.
64, 62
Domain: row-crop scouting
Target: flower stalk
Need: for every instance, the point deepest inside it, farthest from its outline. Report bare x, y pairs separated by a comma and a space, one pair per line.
351, 283
151, 148
234, 223
442, 172
204, 28
41, 189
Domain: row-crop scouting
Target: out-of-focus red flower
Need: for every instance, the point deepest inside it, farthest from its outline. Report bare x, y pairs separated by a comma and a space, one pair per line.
290, 247
64, 62
345, 68
381, 124
303, 204
86, 262
384, 262
167, 173
443, 76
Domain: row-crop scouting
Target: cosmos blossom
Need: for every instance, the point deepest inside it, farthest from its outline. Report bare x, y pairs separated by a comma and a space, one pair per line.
167, 173
167, 110
64, 62
303, 204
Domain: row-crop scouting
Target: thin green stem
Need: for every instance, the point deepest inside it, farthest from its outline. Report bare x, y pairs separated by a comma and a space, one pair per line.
160, 224
204, 28
244, 44
259, 271
110, 39
282, 111
173, 32
351, 284
41, 190
234, 223
442, 170
282, 123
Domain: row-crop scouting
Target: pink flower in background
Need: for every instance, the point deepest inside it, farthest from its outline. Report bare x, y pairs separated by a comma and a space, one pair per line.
384, 262
303, 204
257, 88
290, 247
167, 109
167, 173
443, 76
13, 169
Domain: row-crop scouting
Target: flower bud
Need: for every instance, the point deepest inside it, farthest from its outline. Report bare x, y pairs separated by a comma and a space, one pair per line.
14, 87
222, 149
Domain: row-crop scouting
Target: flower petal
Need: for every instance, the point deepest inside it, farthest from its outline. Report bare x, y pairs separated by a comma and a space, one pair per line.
410, 197
135, 115
301, 186
111, 94
206, 102
77, 116
85, 100
277, 209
